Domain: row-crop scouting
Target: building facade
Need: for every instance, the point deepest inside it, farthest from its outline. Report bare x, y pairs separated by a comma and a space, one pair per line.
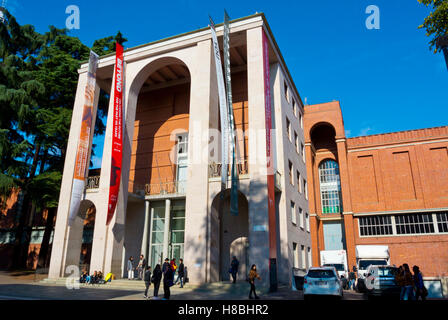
170, 202
389, 189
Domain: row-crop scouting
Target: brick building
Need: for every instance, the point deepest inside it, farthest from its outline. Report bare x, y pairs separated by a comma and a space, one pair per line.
389, 189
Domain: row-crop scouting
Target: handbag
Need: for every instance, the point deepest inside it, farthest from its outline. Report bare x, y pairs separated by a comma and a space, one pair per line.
230, 270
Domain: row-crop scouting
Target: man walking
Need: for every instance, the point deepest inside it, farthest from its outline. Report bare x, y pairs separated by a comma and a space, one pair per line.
352, 279
180, 273
234, 268
147, 279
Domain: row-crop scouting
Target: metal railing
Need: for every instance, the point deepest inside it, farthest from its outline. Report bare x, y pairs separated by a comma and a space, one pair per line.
93, 182
214, 169
170, 187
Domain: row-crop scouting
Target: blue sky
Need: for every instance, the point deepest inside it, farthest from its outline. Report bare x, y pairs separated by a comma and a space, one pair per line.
386, 80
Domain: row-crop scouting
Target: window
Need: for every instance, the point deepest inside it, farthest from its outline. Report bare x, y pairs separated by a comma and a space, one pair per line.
294, 107
310, 258
403, 224
330, 187
414, 223
299, 183
303, 257
301, 217
288, 128
296, 254
296, 142
302, 148
286, 91
293, 213
305, 188
307, 220
301, 120
291, 180
442, 221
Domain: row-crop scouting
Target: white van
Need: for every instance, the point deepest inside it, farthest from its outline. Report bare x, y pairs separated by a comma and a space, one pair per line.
337, 259
367, 255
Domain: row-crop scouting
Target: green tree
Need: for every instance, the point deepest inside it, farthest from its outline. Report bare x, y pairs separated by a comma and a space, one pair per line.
436, 24
38, 81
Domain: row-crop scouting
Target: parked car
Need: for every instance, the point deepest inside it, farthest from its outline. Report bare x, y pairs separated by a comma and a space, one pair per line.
322, 281
380, 281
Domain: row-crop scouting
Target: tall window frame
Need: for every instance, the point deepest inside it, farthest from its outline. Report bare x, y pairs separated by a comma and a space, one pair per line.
330, 187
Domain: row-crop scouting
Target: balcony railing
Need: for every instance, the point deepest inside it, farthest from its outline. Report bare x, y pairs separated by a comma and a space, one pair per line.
93, 182
170, 187
214, 169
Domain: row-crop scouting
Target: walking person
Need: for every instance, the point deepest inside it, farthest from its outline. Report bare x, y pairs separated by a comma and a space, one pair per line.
130, 267
156, 278
399, 280
147, 279
165, 265
352, 279
141, 267
420, 290
173, 268
408, 283
167, 282
234, 268
180, 273
252, 275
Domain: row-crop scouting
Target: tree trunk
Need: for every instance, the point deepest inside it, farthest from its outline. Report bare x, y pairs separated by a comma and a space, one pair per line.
42, 262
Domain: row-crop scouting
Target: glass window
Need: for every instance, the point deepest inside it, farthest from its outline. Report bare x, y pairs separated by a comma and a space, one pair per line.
375, 225
299, 183
302, 248
321, 274
330, 187
296, 255
305, 188
310, 259
291, 179
442, 221
307, 220
414, 223
301, 217
288, 128
293, 213
296, 142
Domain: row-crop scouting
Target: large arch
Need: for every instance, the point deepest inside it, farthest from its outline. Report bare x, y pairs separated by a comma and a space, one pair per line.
229, 236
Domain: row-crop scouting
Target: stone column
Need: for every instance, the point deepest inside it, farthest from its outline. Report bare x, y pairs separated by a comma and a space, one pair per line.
63, 233
202, 104
258, 194
166, 231
146, 231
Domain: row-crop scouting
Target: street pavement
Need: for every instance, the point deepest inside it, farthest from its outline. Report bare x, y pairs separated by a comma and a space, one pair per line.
24, 286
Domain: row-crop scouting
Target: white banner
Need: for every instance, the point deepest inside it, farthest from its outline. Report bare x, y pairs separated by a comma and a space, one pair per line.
222, 108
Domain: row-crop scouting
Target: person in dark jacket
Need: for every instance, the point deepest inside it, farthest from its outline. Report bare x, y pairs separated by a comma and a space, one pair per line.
147, 279
156, 278
167, 282
165, 265
420, 290
352, 278
234, 268
252, 276
180, 273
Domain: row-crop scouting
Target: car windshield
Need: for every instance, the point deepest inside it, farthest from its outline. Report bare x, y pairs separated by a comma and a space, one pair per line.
321, 274
364, 264
338, 266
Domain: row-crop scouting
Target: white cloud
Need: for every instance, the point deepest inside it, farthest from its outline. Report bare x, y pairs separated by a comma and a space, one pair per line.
364, 131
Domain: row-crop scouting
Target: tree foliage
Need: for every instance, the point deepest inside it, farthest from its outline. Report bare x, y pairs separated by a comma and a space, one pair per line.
38, 82
436, 24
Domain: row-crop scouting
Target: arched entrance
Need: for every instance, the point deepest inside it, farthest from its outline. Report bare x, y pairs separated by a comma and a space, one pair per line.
229, 237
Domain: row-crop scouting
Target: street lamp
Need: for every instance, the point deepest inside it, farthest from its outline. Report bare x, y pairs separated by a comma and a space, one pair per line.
442, 43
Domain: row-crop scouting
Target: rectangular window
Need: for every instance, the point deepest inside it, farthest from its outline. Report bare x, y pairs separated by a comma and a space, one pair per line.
307, 220
442, 221
310, 258
414, 223
403, 224
305, 188
296, 254
303, 257
293, 213
302, 148
291, 179
286, 91
301, 217
299, 183
294, 107
301, 120
288, 128
296, 142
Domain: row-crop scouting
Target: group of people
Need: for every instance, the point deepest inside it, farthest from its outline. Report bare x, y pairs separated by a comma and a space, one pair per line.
233, 270
166, 272
411, 283
96, 278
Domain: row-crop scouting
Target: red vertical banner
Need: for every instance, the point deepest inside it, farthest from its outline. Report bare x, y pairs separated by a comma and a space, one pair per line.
269, 156
117, 134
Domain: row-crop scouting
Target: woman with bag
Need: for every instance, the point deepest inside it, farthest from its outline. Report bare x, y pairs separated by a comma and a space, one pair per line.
252, 275
420, 290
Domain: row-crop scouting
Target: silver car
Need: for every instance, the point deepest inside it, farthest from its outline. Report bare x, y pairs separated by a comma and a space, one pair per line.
322, 281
